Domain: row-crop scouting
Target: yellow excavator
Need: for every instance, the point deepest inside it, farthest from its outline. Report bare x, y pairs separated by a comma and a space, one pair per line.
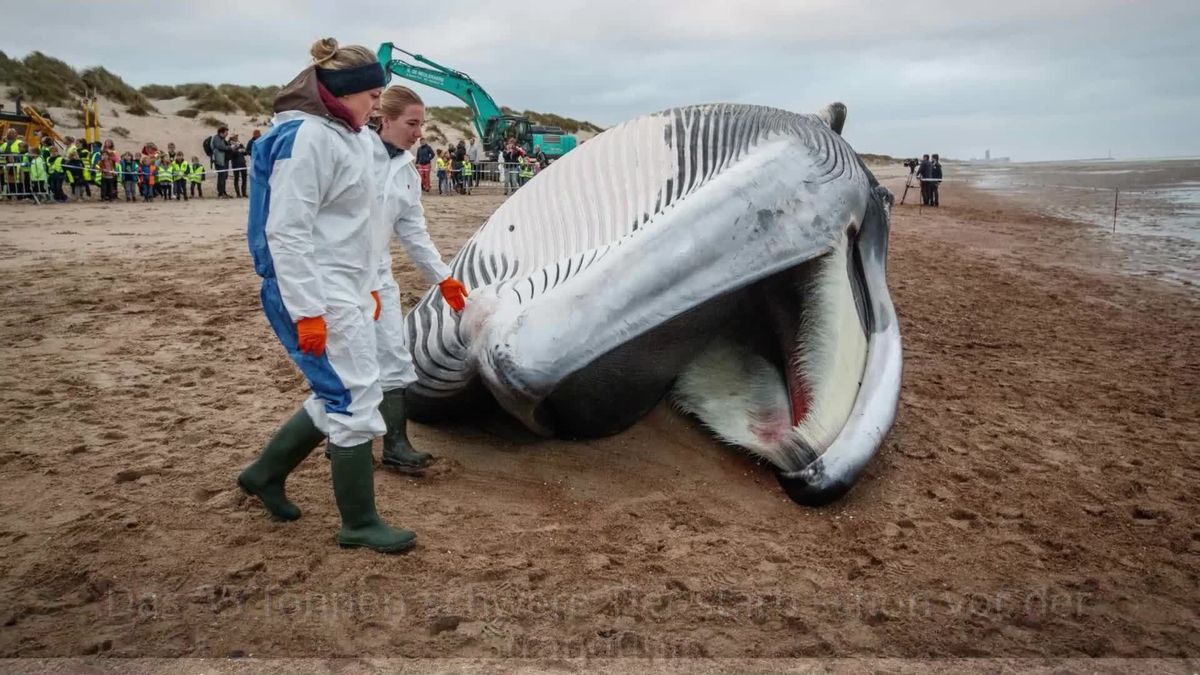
32, 126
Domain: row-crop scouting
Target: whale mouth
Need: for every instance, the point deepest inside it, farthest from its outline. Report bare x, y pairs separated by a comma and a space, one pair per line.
782, 379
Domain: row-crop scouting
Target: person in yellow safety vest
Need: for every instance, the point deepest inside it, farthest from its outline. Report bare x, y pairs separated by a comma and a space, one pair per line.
91, 170
443, 185
74, 172
23, 159
163, 180
56, 173
84, 160
180, 170
468, 174
38, 176
525, 172
196, 178
96, 175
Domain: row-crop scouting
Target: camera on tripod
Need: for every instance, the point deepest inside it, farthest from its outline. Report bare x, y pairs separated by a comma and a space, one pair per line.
912, 164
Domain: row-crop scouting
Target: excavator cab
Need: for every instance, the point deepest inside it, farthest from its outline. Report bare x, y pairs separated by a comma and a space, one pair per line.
499, 129
31, 126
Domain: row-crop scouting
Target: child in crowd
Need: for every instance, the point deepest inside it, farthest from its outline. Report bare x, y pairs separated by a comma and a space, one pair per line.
180, 170
146, 175
58, 176
129, 175
76, 177
196, 178
441, 172
163, 180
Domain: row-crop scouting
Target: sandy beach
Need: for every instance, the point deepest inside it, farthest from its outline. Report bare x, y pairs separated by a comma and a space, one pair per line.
1037, 496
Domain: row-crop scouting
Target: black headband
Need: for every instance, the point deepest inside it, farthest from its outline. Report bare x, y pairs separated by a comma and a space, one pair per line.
346, 81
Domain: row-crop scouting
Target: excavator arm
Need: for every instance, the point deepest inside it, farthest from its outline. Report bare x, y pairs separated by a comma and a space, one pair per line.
460, 85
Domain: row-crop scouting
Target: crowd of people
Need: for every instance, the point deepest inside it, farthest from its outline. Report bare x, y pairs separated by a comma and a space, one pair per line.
930, 173
77, 169
458, 168
85, 171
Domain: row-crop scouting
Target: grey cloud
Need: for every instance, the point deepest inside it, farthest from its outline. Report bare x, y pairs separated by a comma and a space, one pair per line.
1033, 79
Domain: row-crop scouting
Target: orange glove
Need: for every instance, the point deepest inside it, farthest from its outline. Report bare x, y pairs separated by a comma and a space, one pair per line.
312, 335
454, 293
378, 304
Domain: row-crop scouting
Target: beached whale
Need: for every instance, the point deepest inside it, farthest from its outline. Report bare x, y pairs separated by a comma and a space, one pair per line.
731, 256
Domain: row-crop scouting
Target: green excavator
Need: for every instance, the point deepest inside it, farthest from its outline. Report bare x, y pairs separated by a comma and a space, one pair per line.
491, 124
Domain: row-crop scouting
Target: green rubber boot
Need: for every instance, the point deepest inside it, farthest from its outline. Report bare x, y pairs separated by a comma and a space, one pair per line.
294, 441
398, 452
354, 488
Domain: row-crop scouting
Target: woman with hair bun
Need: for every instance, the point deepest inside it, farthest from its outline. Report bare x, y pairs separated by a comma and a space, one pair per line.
313, 211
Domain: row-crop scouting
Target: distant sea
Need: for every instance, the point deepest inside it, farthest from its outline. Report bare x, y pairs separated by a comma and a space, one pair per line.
1158, 204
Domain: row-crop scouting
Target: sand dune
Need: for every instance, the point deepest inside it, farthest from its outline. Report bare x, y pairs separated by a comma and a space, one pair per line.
166, 126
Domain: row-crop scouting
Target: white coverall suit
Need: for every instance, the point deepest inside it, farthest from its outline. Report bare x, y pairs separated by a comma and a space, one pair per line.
400, 212
312, 233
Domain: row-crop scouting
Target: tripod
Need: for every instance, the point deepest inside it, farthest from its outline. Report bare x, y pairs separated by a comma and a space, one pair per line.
912, 170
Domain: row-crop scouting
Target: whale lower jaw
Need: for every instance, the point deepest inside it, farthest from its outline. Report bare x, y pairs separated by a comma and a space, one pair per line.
784, 398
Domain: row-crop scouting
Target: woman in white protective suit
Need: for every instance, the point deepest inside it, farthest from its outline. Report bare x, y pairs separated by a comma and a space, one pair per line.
401, 119
311, 230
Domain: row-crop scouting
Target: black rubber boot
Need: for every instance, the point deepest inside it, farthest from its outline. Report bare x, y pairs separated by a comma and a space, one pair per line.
354, 488
294, 441
398, 452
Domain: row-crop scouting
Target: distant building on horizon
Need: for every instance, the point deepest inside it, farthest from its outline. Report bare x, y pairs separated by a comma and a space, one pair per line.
987, 157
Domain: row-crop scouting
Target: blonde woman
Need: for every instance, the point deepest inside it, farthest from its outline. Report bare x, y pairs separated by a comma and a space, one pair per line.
401, 119
310, 232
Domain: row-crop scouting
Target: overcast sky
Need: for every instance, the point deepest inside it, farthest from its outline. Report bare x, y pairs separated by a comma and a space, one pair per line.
1033, 79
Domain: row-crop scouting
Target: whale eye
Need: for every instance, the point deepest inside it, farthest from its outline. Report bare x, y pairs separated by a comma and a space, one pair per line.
511, 228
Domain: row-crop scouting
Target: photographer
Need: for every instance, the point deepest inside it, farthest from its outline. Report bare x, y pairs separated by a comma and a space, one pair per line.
935, 179
924, 173
237, 165
220, 158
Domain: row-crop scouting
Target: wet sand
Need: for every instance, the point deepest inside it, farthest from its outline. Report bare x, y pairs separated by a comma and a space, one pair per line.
1037, 496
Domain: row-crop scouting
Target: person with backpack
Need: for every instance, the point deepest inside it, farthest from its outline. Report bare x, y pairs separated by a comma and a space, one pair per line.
218, 149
